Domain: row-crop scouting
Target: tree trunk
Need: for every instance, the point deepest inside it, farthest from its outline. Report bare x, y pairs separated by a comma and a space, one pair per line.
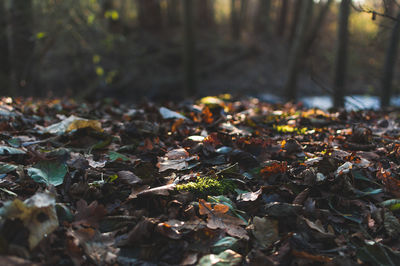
235, 25
339, 84
298, 50
108, 13
173, 13
389, 6
150, 14
4, 55
205, 13
280, 30
295, 21
390, 63
21, 44
189, 46
313, 33
242, 15
262, 18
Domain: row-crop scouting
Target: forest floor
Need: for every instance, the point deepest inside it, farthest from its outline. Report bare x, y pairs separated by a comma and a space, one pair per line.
219, 181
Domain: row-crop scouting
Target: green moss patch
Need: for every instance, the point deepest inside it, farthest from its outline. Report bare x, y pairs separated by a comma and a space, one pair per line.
208, 186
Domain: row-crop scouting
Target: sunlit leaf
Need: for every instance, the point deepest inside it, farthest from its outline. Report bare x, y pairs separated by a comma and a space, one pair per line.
4, 150
41, 35
168, 114
31, 213
96, 58
111, 14
116, 156
99, 71
392, 204
5, 168
72, 123
225, 243
211, 101
226, 258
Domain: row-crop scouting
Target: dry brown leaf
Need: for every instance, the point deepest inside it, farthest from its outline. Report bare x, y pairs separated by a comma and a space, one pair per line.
265, 231
89, 215
217, 218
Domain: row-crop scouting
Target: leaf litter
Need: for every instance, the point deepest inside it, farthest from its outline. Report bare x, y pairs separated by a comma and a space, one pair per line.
219, 181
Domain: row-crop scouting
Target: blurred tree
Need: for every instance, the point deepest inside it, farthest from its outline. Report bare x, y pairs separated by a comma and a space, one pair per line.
298, 50
281, 26
149, 14
205, 13
295, 21
21, 45
339, 82
262, 18
242, 15
112, 16
389, 6
389, 65
319, 21
173, 13
4, 55
235, 23
189, 48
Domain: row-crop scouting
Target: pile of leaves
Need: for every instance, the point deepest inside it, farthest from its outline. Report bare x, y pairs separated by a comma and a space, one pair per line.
218, 181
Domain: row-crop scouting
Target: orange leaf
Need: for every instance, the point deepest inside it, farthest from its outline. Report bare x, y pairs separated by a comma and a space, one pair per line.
177, 124
207, 115
392, 184
274, 168
221, 208
204, 207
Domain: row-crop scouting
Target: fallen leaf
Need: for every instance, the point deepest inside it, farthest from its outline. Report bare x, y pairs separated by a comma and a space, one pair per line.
72, 123
249, 196
391, 224
176, 159
127, 177
218, 218
226, 258
37, 213
168, 114
312, 257
48, 172
225, 243
89, 215
4, 150
265, 231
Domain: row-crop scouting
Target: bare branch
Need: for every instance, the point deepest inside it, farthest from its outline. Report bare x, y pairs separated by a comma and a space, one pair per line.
371, 11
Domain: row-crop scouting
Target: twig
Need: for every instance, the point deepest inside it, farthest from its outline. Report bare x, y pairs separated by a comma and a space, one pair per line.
373, 12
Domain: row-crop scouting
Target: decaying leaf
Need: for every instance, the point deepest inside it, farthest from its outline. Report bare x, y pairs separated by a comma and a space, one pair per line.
225, 243
249, 196
37, 213
265, 231
318, 226
127, 177
168, 114
391, 224
5, 150
217, 217
176, 159
226, 258
99, 247
72, 123
89, 215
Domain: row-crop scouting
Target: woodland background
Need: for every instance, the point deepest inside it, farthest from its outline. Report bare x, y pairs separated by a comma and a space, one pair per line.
169, 49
